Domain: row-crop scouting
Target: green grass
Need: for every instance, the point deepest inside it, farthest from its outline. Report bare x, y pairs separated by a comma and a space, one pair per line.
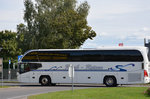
4, 86
97, 93
9, 82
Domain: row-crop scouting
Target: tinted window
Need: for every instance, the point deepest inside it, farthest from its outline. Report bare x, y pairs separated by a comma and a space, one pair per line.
46, 56
26, 67
84, 55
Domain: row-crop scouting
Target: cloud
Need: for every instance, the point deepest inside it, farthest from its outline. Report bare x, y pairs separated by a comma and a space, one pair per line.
145, 29
11, 14
125, 33
141, 33
103, 34
131, 37
104, 9
90, 45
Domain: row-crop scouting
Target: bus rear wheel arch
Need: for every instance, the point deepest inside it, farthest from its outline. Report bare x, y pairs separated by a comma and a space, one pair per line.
110, 81
45, 80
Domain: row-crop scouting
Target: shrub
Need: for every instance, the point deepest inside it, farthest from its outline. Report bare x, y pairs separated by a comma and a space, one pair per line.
147, 92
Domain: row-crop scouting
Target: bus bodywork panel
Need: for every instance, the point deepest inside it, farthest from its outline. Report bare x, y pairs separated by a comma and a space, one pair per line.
125, 72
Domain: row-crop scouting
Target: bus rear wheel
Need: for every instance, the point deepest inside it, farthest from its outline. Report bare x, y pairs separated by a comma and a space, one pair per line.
45, 80
110, 81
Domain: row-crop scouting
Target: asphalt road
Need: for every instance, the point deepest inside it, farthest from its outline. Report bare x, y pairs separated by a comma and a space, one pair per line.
22, 90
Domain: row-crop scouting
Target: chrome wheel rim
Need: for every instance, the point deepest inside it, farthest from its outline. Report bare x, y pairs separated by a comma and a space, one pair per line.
109, 81
44, 81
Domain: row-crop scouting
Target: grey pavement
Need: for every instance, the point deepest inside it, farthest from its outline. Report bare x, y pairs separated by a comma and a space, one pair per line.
21, 91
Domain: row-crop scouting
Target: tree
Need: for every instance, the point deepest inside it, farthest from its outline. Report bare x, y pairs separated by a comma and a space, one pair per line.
22, 37
56, 24
9, 44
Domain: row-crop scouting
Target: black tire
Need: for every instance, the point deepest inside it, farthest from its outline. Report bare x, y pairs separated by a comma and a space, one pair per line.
110, 81
45, 81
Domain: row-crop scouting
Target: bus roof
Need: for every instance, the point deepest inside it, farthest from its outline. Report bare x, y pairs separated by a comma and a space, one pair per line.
140, 48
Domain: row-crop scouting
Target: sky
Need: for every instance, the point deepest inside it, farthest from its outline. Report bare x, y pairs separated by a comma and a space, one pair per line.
114, 21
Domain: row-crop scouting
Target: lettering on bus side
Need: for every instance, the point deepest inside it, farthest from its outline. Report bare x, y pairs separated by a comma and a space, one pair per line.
89, 67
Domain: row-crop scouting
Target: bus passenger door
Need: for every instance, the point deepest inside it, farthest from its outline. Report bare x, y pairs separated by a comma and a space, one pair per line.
24, 73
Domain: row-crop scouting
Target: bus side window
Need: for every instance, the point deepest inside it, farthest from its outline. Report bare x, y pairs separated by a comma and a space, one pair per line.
34, 66
21, 68
26, 67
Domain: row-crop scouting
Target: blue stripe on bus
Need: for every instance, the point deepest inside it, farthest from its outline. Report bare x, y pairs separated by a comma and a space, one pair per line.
82, 70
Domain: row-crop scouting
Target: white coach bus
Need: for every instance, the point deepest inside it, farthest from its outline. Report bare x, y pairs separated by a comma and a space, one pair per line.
109, 66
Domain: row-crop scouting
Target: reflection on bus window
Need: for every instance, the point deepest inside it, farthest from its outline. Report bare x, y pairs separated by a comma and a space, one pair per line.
84, 56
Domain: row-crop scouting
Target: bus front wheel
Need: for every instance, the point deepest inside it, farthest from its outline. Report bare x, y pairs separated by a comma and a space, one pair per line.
110, 81
45, 80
